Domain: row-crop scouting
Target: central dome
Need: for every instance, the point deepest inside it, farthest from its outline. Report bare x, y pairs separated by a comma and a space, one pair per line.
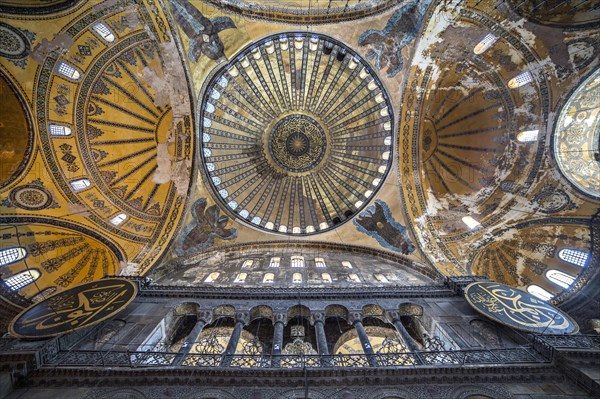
298, 120
297, 143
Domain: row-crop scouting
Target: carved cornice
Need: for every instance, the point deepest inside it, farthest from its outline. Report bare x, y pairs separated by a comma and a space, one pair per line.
270, 293
293, 377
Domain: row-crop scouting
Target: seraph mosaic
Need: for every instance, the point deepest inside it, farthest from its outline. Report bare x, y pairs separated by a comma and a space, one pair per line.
208, 224
401, 29
377, 222
202, 32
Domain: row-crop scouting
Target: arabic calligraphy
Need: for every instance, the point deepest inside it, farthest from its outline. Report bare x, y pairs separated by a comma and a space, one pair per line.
518, 309
79, 307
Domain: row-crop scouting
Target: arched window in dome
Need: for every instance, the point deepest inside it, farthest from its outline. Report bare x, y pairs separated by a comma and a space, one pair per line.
559, 278
68, 71
320, 262
211, 278
573, 256
80, 184
118, 219
59, 130
275, 262
268, 278
297, 261
12, 255
104, 32
247, 263
485, 43
297, 278
346, 265
22, 279
538, 291
527, 136
520, 80
241, 278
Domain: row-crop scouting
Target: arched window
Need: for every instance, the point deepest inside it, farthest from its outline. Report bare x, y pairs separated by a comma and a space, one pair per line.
241, 278
59, 130
297, 261
487, 42
12, 255
80, 184
268, 278
527, 136
68, 71
347, 265
326, 278
470, 222
539, 292
354, 278
247, 264
118, 219
559, 278
381, 278
104, 32
573, 256
520, 80
274, 262
22, 279
212, 277
319, 262
297, 278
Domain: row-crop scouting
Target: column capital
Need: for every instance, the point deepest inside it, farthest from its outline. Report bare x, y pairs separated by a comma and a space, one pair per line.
205, 315
355, 317
279, 318
244, 317
393, 316
317, 317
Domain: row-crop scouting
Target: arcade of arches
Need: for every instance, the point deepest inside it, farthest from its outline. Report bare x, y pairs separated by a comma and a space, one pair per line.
318, 179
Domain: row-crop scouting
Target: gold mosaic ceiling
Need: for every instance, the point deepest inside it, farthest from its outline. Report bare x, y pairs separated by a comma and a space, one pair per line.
135, 99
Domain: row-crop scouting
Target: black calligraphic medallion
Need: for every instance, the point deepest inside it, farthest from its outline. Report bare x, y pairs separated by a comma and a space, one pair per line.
81, 306
518, 309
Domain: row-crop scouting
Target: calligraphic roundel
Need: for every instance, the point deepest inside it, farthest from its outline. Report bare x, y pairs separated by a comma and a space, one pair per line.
518, 309
79, 307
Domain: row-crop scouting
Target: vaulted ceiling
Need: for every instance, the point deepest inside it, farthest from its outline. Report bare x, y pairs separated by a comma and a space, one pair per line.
159, 134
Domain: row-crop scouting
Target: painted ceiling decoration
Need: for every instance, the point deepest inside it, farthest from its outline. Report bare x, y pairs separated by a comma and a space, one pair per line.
577, 134
304, 12
178, 139
296, 134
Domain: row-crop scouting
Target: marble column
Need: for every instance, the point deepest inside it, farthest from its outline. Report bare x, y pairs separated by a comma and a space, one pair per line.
278, 339
192, 337
318, 320
356, 319
234, 339
410, 343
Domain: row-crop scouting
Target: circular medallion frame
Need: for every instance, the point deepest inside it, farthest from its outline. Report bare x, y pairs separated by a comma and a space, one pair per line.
81, 306
31, 197
518, 309
296, 134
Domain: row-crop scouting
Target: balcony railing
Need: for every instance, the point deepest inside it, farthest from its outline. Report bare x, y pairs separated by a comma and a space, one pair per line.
76, 358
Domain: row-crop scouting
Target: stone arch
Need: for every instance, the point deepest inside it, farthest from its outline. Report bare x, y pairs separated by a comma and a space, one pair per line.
410, 309
187, 308
298, 311
337, 311
119, 393
479, 392
375, 311
261, 311
223, 311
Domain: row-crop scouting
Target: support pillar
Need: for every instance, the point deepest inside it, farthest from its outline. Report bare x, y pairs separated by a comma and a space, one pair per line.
234, 339
192, 337
364, 339
278, 339
322, 348
410, 343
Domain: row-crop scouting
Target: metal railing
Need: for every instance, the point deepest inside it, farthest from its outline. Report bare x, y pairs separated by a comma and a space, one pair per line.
77, 358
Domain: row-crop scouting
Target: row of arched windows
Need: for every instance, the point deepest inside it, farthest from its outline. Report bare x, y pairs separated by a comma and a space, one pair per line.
296, 261
296, 278
563, 280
